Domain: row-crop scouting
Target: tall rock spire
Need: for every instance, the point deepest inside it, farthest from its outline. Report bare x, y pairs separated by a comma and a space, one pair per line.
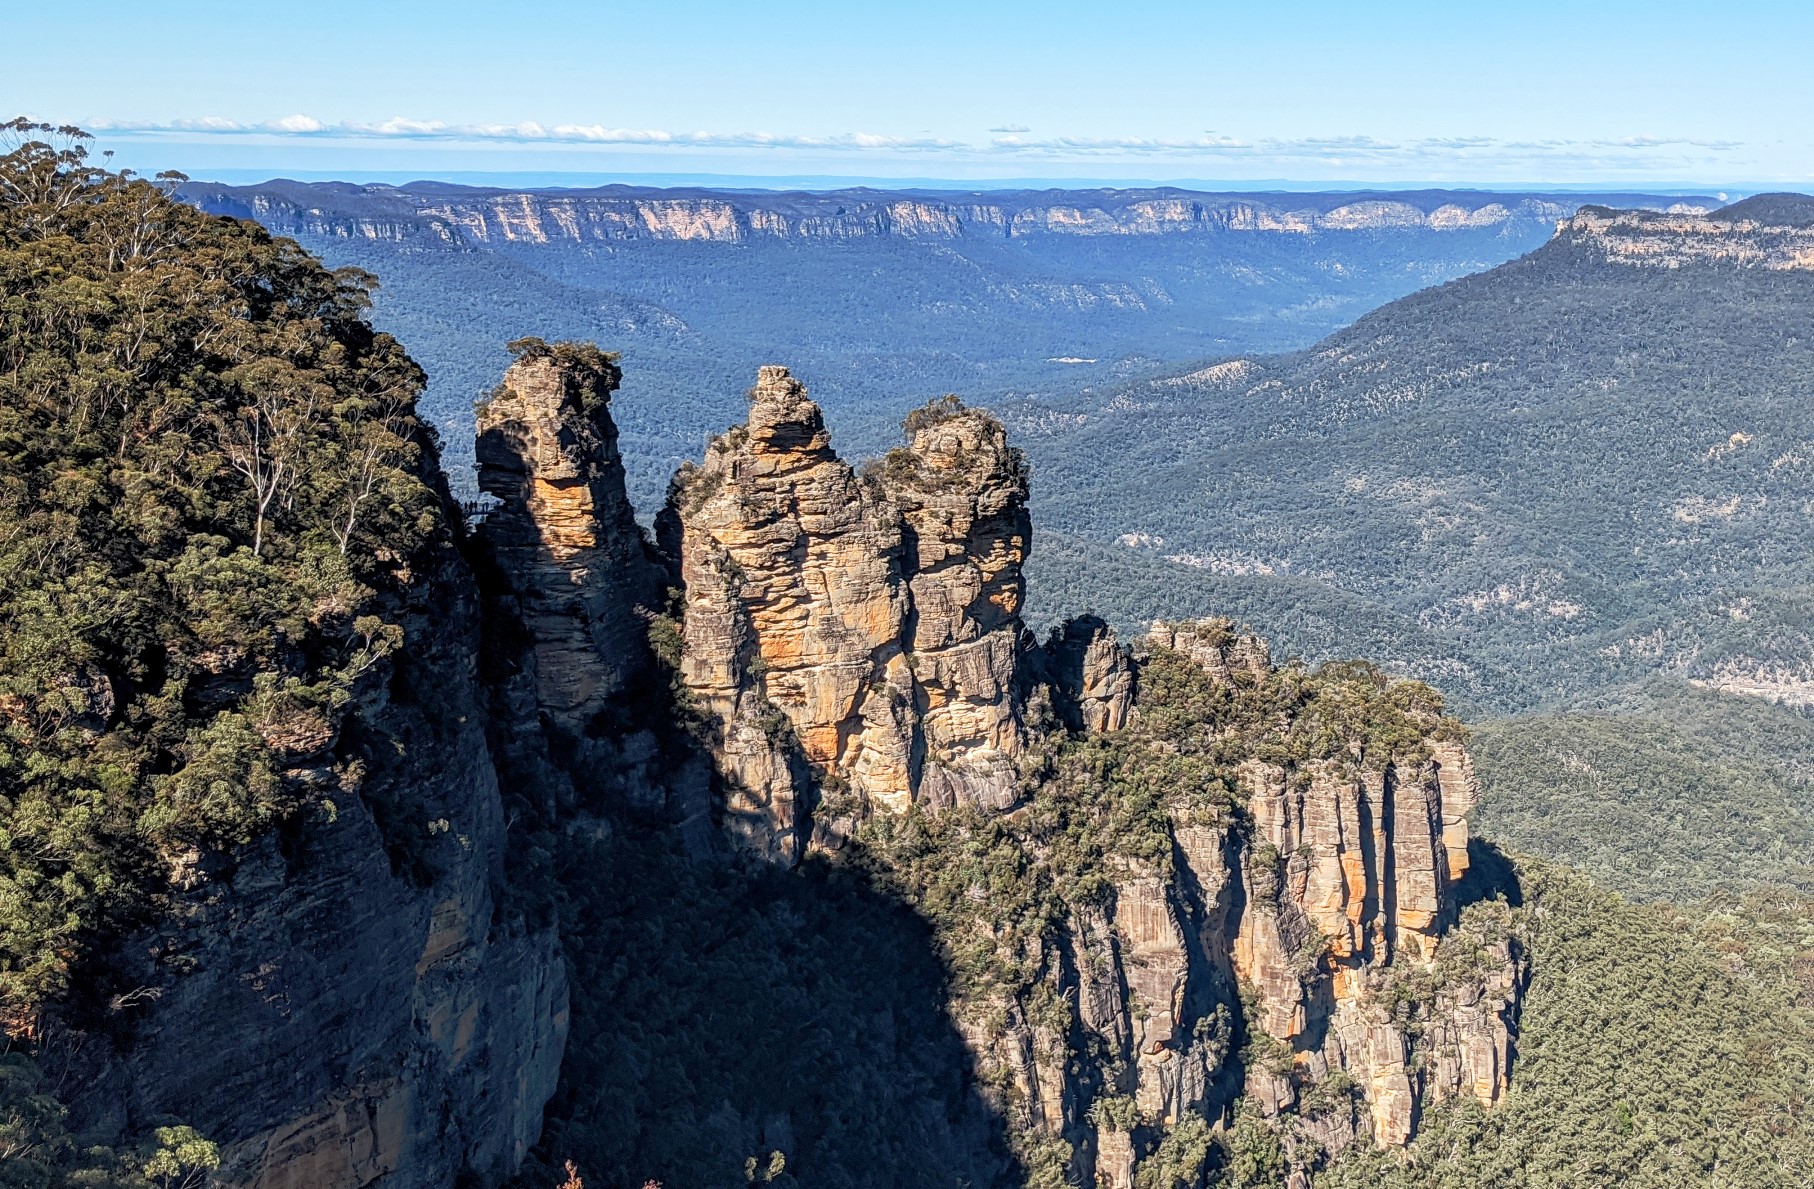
962, 493
859, 632
563, 533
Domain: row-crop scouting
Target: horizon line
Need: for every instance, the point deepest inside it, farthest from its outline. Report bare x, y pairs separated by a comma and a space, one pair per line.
776, 183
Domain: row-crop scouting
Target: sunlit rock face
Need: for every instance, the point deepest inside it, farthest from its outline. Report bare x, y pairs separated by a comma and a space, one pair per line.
962, 495
860, 631
480, 217
1771, 232
1091, 675
1349, 877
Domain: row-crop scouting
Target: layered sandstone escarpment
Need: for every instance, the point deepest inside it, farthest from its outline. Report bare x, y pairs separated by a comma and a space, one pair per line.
1350, 874
855, 631
441, 216
1350, 869
1778, 237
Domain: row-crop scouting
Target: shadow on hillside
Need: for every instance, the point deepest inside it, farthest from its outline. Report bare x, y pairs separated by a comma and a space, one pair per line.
722, 1016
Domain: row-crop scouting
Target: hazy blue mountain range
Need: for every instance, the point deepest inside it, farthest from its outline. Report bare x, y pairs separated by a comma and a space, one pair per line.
878, 300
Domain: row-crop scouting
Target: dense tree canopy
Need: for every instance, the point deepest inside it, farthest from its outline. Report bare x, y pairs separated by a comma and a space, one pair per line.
210, 478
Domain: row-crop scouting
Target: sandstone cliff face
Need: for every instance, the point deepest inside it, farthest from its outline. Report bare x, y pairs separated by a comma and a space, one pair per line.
344, 1005
563, 531
494, 217
1350, 879
962, 495
1298, 920
578, 713
1651, 239
855, 631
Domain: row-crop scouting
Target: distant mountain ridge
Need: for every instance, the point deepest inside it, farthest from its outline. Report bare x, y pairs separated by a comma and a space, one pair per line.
449, 214
1776, 210
879, 299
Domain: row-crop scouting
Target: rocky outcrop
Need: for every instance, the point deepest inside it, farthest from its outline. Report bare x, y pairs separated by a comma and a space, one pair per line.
851, 632
961, 492
857, 635
345, 1002
1351, 879
1349, 870
1322, 919
793, 615
581, 720
1091, 675
1775, 236
1216, 647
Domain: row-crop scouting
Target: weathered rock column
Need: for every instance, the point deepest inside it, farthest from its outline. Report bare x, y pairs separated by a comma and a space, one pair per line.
962, 493
563, 533
857, 632
794, 610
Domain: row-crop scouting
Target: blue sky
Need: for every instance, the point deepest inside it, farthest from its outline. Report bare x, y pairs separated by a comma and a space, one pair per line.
1616, 93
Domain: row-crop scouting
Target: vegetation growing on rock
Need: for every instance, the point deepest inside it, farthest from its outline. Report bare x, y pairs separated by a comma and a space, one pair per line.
209, 481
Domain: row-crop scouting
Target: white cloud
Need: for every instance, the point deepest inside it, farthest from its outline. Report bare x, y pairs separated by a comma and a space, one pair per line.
404, 128
205, 124
1114, 145
1336, 151
298, 123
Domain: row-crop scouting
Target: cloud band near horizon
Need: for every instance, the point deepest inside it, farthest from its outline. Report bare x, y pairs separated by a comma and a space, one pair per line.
1012, 143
